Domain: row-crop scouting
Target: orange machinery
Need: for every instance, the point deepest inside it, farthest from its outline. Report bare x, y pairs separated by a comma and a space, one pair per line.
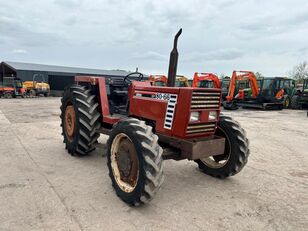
265, 96
200, 78
158, 80
242, 75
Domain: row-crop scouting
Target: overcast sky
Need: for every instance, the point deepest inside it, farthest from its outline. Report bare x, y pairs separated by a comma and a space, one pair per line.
218, 36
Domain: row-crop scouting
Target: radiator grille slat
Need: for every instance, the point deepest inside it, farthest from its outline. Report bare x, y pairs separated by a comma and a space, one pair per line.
205, 100
200, 128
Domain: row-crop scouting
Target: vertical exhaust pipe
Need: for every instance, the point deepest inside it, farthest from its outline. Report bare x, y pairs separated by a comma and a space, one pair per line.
173, 61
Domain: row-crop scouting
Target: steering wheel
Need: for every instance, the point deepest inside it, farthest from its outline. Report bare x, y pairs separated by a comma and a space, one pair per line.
137, 74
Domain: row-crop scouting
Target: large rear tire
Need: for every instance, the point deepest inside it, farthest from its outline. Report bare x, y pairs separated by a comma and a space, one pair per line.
79, 120
236, 150
294, 102
135, 161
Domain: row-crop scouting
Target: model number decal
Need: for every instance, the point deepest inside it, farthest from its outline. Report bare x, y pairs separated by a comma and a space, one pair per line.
162, 96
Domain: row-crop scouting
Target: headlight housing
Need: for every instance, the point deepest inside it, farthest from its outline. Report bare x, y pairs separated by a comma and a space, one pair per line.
213, 115
194, 116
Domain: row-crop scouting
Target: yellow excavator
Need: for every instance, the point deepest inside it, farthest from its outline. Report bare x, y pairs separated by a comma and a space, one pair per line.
181, 81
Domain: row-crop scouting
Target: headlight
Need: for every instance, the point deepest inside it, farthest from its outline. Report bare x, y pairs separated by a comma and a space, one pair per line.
213, 115
194, 116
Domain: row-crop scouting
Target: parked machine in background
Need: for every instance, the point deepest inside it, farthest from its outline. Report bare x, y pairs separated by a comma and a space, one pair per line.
181, 81
300, 98
224, 84
206, 80
12, 87
37, 86
288, 85
236, 98
147, 124
277, 90
158, 80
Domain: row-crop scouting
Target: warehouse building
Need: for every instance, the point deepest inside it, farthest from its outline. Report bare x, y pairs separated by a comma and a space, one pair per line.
58, 77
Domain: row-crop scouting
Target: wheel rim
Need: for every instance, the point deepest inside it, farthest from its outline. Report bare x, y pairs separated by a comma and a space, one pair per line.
70, 122
287, 102
220, 160
124, 163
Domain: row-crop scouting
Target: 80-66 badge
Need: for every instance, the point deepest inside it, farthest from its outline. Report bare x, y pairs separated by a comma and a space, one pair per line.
162, 96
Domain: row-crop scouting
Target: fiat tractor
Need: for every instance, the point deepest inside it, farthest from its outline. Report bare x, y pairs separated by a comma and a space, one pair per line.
147, 124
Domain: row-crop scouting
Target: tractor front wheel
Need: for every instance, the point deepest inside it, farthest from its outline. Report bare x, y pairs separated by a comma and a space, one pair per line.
236, 150
134, 161
286, 102
79, 120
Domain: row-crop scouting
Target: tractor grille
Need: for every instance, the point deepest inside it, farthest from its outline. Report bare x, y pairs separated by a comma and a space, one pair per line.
205, 100
200, 128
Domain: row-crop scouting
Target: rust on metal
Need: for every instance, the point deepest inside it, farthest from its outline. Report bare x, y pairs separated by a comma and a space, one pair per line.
124, 162
196, 148
70, 121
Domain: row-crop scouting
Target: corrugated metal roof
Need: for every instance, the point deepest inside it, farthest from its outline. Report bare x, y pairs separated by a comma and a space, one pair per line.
54, 68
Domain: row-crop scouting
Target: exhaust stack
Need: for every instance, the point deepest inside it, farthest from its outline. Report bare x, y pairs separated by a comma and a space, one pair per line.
173, 61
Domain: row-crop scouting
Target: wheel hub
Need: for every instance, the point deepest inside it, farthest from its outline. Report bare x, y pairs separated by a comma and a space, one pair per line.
70, 121
219, 160
124, 162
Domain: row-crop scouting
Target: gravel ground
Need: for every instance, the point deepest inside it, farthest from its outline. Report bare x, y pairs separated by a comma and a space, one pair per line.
44, 188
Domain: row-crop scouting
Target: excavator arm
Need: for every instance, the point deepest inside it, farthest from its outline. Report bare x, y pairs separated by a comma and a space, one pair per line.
242, 75
198, 77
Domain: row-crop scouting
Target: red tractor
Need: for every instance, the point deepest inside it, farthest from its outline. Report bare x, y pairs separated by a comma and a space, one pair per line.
12, 87
147, 124
206, 80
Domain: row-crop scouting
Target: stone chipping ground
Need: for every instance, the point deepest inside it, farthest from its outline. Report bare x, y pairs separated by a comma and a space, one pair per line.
44, 188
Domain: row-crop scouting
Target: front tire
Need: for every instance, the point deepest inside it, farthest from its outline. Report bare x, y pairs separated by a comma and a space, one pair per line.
286, 102
236, 151
294, 102
79, 120
134, 161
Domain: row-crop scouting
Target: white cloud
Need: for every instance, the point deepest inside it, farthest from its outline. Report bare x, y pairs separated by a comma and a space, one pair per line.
218, 35
19, 51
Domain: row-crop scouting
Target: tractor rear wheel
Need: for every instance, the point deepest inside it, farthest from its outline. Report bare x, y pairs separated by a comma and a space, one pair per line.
236, 151
79, 120
134, 161
294, 102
